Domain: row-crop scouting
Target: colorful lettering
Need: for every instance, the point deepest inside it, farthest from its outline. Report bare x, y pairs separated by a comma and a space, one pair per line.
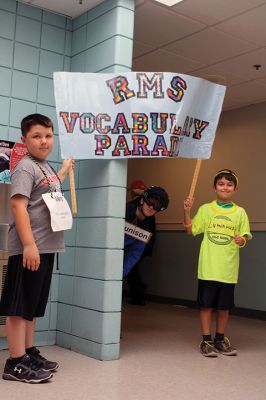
187, 126
174, 129
140, 143
199, 127
87, 123
160, 145
179, 85
120, 123
175, 142
163, 122
119, 88
140, 123
154, 82
103, 142
99, 123
73, 119
121, 145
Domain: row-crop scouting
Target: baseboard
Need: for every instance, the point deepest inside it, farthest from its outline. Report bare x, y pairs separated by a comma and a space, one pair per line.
241, 312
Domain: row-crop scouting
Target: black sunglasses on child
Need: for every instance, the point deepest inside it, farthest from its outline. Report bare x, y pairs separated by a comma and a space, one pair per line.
154, 203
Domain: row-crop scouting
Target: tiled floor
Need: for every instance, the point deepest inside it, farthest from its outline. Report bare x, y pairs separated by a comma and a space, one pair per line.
159, 361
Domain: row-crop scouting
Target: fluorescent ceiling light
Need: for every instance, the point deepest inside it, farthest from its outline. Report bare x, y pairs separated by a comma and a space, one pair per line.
169, 3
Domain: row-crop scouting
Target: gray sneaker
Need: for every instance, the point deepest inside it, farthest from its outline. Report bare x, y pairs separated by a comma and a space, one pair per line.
25, 371
207, 349
224, 347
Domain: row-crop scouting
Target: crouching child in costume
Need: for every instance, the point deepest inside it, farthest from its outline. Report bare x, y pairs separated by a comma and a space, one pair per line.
140, 212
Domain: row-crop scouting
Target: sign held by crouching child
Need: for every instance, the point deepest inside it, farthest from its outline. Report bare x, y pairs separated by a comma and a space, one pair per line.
137, 233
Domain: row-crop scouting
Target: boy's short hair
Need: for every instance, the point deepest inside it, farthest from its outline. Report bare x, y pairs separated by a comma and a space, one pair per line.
35, 119
227, 174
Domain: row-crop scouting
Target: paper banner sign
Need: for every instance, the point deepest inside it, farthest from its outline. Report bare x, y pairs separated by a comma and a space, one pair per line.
136, 115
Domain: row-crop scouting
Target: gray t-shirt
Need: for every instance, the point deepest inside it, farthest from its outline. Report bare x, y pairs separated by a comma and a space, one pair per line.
28, 180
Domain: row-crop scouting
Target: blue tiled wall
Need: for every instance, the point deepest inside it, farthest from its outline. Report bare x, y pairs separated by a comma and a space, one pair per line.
102, 38
90, 281
33, 44
84, 308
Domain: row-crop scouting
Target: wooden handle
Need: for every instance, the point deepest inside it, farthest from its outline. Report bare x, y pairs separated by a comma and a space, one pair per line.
195, 179
73, 192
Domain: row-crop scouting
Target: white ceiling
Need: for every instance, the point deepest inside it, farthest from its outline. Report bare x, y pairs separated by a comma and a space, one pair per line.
219, 40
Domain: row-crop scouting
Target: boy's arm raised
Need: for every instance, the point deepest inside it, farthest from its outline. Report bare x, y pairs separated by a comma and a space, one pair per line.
187, 219
31, 256
65, 168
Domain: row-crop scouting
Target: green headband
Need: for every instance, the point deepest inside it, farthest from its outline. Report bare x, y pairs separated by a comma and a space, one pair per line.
227, 171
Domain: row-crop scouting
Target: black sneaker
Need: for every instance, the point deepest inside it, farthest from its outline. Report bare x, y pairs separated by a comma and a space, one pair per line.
42, 363
25, 371
224, 347
207, 349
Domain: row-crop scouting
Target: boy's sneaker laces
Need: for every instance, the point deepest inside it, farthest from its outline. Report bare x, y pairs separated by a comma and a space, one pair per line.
207, 349
224, 347
41, 362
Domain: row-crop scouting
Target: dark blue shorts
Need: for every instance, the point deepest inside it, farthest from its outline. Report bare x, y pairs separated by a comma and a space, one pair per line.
213, 294
25, 292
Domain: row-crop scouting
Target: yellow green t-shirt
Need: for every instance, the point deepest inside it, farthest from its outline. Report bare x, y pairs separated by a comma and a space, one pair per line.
219, 255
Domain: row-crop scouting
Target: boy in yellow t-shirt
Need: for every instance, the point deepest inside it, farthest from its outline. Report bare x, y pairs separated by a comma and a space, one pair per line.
226, 229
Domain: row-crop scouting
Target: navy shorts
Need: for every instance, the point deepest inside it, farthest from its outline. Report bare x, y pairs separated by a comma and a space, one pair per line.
213, 294
25, 293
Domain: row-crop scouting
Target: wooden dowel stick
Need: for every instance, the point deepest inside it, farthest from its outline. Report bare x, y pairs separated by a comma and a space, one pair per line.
195, 179
73, 192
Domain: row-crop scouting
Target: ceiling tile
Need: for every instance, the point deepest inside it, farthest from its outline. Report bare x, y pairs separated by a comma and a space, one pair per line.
262, 81
254, 91
140, 48
242, 66
70, 8
233, 104
161, 60
157, 25
183, 39
210, 46
250, 26
213, 11
230, 102
139, 2
223, 77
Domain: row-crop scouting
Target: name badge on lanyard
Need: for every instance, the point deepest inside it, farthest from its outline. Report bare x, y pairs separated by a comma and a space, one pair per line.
61, 216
